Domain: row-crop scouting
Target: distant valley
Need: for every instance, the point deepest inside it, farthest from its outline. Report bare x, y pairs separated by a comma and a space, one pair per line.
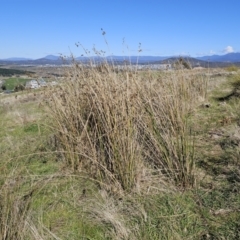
205, 61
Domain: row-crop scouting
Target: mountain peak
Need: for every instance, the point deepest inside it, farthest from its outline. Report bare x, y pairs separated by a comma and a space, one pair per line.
52, 57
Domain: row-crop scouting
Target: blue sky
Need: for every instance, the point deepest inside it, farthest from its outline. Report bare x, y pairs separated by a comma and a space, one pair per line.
36, 28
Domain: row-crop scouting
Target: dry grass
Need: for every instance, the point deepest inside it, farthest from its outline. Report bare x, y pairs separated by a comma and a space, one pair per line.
15, 205
116, 126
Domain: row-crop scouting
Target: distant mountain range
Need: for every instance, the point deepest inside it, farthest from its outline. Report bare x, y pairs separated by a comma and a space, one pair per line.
230, 57
119, 59
210, 61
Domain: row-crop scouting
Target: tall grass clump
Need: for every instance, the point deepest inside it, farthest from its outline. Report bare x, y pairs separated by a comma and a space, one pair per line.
166, 127
117, 126
95, 114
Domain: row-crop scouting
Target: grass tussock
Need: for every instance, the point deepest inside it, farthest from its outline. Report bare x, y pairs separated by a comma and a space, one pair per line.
116, 126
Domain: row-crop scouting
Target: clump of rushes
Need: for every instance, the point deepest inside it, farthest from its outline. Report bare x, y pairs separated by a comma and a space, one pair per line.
116, 126
95, 114
166, 129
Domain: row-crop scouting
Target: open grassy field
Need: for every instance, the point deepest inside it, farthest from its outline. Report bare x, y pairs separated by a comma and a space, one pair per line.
12, 82
127, 155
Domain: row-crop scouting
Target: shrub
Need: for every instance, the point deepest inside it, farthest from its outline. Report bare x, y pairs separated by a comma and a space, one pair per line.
181, 63
231, 68
18, 88
3, 87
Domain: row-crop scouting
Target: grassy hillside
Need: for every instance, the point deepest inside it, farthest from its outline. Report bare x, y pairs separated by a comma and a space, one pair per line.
129, 155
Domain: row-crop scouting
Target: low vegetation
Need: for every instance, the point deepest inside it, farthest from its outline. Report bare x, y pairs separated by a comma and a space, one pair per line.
10, 72
122, 155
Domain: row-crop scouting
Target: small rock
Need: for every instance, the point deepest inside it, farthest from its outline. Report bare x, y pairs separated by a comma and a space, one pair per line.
206, 105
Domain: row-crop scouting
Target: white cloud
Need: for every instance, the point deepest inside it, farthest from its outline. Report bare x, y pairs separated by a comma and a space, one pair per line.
228, 49
212, 52
201, 54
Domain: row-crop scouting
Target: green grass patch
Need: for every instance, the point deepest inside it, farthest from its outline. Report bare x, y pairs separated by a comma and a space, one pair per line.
11, 83
33, 128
